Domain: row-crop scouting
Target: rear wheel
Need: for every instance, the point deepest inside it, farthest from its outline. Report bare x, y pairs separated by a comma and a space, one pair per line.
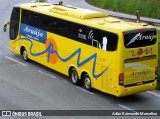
87, 82
25, 55
74, 76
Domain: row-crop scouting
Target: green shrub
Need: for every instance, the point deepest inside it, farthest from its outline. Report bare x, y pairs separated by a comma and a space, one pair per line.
148, 8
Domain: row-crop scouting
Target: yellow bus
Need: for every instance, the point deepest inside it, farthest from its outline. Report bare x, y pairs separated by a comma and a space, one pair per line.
92, 48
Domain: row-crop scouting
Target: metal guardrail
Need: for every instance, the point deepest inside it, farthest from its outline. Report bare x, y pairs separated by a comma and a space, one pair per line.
129, 17
141, 20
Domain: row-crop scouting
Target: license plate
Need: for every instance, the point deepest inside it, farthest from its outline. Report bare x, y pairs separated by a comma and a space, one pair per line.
140, 83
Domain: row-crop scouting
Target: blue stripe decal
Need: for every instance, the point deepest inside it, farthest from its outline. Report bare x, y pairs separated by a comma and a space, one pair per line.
50, 50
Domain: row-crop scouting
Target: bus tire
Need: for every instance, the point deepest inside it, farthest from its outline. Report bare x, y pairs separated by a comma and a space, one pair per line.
25, 55
73, 74
87, 82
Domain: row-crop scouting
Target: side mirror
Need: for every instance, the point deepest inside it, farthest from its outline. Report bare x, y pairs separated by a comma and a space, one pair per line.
5, 26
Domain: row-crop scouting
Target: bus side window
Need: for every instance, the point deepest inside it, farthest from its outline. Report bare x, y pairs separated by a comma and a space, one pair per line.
78, 32
47, 23
73, 30
14, 23
107, 41
33, 19
112, 42
36, 20
26, 17
59, 24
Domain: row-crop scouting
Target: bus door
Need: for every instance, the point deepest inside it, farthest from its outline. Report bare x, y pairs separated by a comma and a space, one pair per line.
140, 63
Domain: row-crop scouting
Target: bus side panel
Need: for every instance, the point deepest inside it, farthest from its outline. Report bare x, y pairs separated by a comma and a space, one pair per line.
66, 48
59, 53
109, 81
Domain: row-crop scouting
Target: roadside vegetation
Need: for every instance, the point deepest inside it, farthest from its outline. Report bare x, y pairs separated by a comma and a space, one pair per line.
147, 8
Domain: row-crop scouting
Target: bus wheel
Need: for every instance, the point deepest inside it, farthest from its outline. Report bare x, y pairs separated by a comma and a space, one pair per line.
87, 82
74, 77
25, 55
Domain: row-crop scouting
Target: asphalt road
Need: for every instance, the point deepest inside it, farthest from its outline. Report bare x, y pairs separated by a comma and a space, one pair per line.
31, 86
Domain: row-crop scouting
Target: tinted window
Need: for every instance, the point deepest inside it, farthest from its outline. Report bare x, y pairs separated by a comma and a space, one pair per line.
81, 33
97, 38
33, 19
133, 39
59, 24
107, 41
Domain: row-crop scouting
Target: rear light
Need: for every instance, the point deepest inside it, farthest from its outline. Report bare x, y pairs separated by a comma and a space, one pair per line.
121, 78
156, 72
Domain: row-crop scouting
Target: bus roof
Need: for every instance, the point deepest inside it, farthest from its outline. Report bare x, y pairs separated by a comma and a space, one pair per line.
84, 16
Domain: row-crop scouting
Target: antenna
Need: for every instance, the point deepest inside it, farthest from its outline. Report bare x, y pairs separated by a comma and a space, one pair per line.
138, 16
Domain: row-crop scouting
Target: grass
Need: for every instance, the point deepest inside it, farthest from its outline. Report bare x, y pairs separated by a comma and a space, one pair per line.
148, 8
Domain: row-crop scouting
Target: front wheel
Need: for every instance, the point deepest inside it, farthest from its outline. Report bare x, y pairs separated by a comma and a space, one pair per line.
87, 82
25, 55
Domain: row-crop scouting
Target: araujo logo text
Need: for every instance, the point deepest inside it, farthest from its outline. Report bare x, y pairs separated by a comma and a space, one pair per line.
139, 36
144, 72
33, 33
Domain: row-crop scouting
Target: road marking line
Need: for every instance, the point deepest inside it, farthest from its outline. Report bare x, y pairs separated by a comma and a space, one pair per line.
46, 74
15, 61
127, 108
153, 94
85, 90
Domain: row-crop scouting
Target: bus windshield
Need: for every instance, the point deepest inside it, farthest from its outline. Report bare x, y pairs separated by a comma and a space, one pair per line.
140, 38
